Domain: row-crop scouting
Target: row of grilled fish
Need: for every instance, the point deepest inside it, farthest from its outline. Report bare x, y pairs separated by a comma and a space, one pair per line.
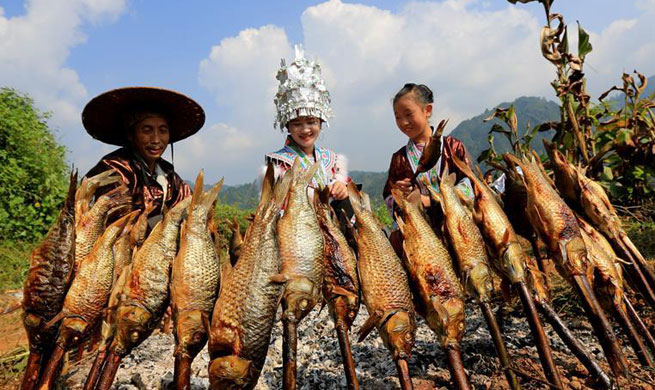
299, 259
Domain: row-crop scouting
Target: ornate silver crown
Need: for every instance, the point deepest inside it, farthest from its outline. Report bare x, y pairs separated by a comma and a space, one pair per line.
302, 91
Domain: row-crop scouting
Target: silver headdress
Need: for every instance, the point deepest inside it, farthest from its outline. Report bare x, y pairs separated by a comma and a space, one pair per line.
301, 92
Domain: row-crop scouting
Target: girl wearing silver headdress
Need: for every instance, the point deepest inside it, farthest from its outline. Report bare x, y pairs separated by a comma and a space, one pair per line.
303, 106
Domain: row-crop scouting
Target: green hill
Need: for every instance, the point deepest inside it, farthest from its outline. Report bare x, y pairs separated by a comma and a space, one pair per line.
529, 110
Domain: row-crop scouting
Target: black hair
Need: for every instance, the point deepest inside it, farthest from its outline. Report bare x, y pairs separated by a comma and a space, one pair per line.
422, 93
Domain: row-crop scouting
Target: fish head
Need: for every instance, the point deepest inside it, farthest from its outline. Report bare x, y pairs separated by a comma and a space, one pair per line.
513, 261
40, 336
480, 277
344, 309
398, 334
230, 372
132, 327
190, 331
299, 297
72, 330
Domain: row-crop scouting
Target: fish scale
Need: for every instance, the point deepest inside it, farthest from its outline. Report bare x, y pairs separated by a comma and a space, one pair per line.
91, 224
146, 293
194, 281
467, 242
244, 312
44, 290
431, 269
385, 288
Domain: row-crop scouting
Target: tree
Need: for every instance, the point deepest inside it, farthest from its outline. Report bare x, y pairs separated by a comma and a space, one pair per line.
33, 170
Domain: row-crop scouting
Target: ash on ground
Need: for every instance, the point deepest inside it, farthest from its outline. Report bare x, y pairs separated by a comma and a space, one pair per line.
150, 366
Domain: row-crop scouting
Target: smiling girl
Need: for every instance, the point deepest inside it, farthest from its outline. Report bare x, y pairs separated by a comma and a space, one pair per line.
413, 108
303, 106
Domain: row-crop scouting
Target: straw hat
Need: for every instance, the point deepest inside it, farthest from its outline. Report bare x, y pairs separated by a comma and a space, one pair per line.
106, 116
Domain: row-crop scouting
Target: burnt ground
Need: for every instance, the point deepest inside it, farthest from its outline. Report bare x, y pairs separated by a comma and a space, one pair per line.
151, 365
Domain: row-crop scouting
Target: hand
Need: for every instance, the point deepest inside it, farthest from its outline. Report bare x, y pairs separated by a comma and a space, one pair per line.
405, 186
338, 190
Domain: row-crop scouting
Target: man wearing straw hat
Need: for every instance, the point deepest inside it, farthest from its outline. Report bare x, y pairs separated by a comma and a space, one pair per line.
143, 121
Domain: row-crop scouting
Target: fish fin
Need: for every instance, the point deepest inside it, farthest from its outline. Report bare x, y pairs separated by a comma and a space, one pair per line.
267, 186
281, 188
366, 202
368, 326
211, 195
321, 197
279, 278
60, 316
306, 177
400, 222
342, 291
355, 198
507, 236
397, 196
463, 167
198, 188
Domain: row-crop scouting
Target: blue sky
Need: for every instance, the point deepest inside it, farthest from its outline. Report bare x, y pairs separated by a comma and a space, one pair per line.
224, 54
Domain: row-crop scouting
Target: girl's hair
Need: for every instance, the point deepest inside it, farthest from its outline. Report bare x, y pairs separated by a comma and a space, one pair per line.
421, 92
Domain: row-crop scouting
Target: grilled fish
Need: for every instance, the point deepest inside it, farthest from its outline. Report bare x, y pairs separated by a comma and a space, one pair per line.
385, 288
341, 283
88, 186
194, 282
87, 297
51, 267
244, 313
91, 225
145, 295
466, 240
557, 226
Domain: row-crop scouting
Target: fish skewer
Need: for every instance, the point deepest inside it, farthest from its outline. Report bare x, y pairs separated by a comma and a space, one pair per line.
608, 283
301, 247
470, 253
51, 267
385, 288
435, 283
557, 227
340, 283
86, 298
509, 258
145, 295
590, 198
195, 280
244, 312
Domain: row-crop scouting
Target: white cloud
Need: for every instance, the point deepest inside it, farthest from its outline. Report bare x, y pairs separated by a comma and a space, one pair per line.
241, 71
471, 58
212, 148
34, 48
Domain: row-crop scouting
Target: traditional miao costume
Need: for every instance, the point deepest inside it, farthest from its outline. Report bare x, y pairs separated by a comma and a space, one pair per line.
403, 165
302, 92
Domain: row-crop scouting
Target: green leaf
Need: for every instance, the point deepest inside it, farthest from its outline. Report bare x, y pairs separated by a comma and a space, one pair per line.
623, 136
607, 174
484, 155
584, 46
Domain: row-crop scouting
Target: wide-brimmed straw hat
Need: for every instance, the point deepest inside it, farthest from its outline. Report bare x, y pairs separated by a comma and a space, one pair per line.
106, 116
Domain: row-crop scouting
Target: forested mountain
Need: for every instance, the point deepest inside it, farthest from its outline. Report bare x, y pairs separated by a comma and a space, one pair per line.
529, 110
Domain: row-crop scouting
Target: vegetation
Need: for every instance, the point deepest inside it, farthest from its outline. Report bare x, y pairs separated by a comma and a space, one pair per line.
33, 171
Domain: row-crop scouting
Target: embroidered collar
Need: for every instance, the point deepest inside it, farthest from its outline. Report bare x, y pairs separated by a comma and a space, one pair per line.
431, 177
291, 151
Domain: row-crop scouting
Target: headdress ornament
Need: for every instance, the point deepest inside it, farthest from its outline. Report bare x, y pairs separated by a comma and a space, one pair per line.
302, 91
